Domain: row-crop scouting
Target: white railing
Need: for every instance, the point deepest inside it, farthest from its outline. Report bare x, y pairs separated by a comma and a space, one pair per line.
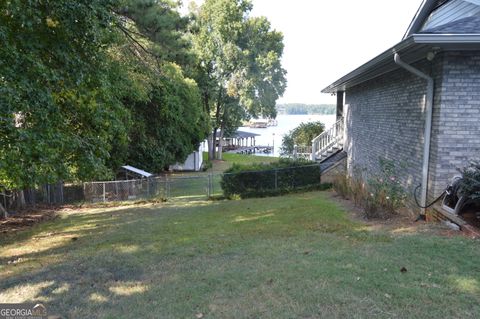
328, 139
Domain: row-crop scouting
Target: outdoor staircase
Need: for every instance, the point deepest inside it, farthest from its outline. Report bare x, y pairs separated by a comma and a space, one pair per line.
329, 142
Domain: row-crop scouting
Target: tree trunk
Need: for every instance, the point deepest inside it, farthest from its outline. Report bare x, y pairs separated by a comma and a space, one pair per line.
20, 199
220, 144
211, 154
3, 211
212, 144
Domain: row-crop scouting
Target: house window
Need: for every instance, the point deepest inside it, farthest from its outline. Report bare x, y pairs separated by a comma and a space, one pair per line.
451, 11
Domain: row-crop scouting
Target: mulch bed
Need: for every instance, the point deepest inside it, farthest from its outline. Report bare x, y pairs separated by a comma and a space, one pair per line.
26, 219
404, 220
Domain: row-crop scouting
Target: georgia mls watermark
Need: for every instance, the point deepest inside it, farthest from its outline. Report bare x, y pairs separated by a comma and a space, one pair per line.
22, 311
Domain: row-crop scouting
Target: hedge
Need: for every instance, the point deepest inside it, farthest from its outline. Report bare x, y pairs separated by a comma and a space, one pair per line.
258, 180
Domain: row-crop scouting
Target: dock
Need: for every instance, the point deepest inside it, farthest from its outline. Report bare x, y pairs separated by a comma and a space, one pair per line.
252, 149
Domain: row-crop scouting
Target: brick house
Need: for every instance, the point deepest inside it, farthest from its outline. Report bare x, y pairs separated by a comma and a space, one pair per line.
417, 103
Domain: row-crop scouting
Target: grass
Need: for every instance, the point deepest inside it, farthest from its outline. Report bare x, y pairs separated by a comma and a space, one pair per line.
194, 185
296, 256
230, 158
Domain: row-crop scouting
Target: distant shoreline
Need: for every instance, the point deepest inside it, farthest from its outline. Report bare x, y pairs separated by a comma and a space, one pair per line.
305, 109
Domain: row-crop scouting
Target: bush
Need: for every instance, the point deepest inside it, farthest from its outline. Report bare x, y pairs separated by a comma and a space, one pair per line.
341, 185
380, 196
258, 180
302, 135
385, 191
470, 184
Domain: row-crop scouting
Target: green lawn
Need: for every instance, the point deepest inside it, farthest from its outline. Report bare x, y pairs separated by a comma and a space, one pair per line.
229, 159
296, 256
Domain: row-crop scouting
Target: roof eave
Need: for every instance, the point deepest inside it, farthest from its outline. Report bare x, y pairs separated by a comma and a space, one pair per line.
432, 38
443, 41
332, 88
422, 13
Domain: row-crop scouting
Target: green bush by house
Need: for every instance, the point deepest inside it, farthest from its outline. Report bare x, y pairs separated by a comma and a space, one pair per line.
266, 179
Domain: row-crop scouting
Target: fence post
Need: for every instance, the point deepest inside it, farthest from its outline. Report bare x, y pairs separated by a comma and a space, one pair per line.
212, 190
62, 197
168, 188
165, 188
209, 186
276, 179
104, 195
148, 187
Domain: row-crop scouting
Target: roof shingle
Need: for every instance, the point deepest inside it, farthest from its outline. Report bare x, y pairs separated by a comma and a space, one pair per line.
470, 25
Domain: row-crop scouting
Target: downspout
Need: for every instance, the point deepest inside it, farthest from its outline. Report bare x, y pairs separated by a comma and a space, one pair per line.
428, 126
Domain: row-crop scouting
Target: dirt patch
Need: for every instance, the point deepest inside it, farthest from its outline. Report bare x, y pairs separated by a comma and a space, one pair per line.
401, 224
26, 219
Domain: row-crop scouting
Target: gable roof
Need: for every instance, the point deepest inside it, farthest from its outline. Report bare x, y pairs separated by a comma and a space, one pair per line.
461, 34
469, 25
422, 14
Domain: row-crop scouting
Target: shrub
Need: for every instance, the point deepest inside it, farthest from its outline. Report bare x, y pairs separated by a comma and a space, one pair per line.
341, 185
301, 135
470, 184
387, 186
380, 196
257, 180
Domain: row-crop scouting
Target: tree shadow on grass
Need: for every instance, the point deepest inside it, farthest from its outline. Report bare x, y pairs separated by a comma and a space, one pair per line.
123, 262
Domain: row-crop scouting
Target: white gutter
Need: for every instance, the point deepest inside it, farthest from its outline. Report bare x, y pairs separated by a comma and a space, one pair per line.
428, 125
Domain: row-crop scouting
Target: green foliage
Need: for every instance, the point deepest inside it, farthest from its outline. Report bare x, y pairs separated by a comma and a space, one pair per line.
60, 107
257, 180
238, 63
302, 135
385, 190
159, 23
170, 125
380, 195
304, 109
168, 119
470, 184
87, 85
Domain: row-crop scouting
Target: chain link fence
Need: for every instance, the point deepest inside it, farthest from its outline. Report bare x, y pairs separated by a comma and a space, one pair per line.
182, 187
186, 186
192, 187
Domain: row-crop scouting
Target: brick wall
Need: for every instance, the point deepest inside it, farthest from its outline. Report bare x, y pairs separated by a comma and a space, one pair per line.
385, 118
457, 130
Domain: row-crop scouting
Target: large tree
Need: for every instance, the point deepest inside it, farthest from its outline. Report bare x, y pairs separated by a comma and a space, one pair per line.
238, 65
60, 105
87, 84
168, 119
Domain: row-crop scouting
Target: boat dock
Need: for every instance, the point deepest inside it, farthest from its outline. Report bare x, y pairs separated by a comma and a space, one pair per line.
252, 149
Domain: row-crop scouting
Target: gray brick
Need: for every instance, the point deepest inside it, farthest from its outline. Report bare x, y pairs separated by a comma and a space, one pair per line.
384, 118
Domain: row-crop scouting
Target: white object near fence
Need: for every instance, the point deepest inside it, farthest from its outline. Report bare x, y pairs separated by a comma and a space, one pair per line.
193, 162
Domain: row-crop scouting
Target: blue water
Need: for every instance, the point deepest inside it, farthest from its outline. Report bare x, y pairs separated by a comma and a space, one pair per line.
272, 136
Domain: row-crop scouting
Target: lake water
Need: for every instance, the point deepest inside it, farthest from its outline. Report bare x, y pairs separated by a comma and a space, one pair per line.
273, 135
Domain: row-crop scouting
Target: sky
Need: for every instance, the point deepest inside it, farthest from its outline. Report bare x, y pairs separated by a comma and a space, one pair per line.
325, 40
